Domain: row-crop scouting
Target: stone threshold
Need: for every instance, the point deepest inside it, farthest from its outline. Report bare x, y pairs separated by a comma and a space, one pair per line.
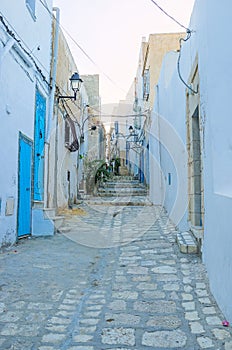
187, 243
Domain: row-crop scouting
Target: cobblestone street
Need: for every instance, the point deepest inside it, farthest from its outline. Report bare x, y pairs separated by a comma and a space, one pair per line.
113, 278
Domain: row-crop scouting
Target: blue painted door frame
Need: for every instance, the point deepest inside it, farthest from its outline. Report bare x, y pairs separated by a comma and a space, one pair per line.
24, 186
39, 138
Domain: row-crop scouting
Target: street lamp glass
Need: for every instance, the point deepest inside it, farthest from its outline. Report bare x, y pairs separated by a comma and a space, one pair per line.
75, 82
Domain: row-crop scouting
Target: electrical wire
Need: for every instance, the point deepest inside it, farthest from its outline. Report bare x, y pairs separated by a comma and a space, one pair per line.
82, 50
19, 41
189, 33
167, 14
10, 32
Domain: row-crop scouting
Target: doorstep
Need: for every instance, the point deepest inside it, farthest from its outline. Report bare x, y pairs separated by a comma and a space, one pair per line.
186, 242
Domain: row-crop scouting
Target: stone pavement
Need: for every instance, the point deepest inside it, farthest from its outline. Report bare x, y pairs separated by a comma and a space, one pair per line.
113, 279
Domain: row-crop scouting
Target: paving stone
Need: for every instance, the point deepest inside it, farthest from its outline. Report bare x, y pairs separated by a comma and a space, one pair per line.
200, 285
228, 345
164, 322
116, 336
89, 321
53, 338
138, 271
82, 338
12, 329
120, 279
171, 287
92, 314
141, 278
153, 295
40, 306
206, 301
187, 280
125, 295
189, 305
94, 307
201, 292
188, 289
81, 348
161, 306
220, 333
164, 339
69, 301
196, 328
17, 305
55, 328
205, 342
213, 320
122, 319
117, 305
192, 316
147, 286
59, 320
86, 330
164, 269
209, 310
10, 316
186, 296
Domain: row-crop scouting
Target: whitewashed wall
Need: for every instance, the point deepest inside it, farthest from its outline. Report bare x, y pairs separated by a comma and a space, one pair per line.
211, 27
17, 98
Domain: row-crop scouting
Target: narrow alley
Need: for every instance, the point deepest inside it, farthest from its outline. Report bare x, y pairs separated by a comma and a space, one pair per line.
113, 277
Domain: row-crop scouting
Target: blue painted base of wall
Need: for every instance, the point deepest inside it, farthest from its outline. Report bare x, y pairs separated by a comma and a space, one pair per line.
40, 225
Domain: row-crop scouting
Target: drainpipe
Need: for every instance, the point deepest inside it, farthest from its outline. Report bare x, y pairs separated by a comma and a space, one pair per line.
52, 94
53, 74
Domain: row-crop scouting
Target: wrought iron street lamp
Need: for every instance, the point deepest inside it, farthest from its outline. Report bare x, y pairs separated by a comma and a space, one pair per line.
75, 81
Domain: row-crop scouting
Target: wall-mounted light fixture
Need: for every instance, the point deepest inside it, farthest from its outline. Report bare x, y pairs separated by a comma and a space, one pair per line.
131, 129
75, 81
132, 132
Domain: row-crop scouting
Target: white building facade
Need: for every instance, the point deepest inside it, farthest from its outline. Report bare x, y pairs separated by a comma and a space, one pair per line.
190, 156
25, 57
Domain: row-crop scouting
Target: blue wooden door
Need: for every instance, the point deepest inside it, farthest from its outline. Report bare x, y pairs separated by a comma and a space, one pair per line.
24, 176
40, 115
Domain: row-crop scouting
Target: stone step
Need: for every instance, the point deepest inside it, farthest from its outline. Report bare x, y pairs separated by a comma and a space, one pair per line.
122, 184
121, 194
122, 189
119, 201
187, 243
123, 178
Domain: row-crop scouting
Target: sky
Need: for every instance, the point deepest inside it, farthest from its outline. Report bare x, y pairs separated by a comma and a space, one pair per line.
111, 31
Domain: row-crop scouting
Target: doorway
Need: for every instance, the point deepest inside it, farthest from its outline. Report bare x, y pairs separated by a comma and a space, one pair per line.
24, 186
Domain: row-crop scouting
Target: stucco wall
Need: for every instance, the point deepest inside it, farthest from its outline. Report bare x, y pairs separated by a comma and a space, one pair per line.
17, 98
61, 190
209, 43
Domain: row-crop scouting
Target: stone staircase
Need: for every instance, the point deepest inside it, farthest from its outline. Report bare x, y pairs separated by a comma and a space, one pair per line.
121, 191
122, 186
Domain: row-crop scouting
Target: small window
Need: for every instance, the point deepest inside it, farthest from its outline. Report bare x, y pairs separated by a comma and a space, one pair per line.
31, 7
67, 133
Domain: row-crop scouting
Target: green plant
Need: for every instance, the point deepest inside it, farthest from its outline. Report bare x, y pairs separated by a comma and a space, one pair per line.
94, 172
102, 173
